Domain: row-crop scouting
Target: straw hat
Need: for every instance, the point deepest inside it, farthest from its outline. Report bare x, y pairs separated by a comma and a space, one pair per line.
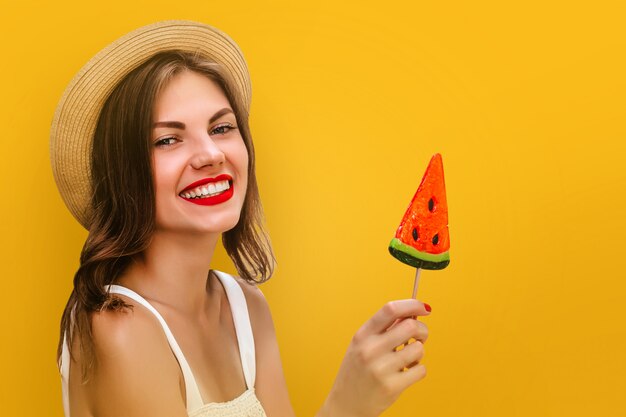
77, 113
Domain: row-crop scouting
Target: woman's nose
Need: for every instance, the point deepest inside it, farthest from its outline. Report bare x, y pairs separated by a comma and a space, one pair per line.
207, 153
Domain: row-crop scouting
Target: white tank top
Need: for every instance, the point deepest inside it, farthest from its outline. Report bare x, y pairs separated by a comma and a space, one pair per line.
246, 405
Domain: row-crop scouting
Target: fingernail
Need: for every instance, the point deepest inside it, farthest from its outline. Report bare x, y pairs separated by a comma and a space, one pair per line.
427, 307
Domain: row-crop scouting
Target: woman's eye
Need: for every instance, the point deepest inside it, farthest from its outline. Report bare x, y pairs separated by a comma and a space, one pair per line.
220, 130
168, 141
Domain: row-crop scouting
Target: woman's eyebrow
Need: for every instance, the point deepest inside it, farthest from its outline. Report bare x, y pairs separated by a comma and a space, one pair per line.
181, 126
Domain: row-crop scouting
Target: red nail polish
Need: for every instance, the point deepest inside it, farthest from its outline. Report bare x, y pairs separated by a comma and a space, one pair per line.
427, 307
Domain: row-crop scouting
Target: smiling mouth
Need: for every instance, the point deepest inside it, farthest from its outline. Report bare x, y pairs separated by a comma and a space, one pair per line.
208, 190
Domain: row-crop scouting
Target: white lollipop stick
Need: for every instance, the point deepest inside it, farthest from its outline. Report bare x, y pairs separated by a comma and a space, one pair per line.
417, 279
411, 340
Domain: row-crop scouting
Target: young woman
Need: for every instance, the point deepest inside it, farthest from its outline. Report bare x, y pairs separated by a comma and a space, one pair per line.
152, 153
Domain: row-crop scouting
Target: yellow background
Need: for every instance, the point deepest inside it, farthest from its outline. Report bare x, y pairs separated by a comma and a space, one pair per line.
525, 102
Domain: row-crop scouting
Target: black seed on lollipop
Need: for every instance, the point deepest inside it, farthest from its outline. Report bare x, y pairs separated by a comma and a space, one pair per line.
436, 239
431, 205
415, 235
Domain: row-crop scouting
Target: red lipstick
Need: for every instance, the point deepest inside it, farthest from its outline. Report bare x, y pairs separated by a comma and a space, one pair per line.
203, 181
211, 201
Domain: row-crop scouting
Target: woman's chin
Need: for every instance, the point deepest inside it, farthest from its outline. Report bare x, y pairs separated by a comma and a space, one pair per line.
199, 227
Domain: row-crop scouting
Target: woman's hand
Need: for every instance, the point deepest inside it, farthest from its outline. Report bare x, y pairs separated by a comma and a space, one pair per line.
373, 372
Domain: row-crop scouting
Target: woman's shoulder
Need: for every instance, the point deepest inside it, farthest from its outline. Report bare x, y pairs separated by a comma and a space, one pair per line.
131, 348
258, 309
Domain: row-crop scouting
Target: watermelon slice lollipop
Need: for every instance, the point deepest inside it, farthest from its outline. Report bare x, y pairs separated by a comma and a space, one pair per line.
422, 239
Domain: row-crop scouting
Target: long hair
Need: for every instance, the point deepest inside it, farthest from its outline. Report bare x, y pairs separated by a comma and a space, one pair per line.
123, 200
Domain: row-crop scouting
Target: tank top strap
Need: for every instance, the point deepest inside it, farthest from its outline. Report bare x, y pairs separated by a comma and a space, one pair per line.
194, 399
243, 328
64, 368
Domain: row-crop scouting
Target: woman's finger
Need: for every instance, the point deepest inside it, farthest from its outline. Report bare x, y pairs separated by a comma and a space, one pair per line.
407, 357
403, 380
404, 331
393, 310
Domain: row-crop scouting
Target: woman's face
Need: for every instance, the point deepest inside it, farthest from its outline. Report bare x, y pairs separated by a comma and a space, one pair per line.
199, 159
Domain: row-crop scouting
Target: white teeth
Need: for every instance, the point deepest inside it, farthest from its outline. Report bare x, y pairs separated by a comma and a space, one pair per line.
207, 190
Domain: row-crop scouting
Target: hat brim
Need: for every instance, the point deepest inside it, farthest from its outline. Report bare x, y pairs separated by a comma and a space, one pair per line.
74, 122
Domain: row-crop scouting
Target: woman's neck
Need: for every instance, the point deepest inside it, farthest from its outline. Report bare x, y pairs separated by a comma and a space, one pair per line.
173, 271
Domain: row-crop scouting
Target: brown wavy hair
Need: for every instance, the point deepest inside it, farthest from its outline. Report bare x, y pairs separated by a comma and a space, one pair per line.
123, 200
